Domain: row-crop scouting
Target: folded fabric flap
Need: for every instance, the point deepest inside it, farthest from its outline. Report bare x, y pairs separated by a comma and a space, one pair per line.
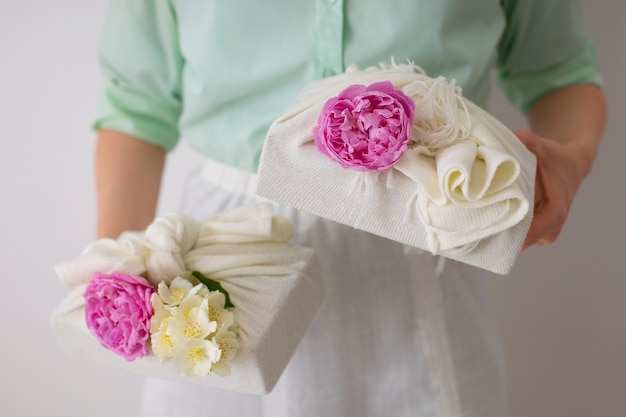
501, 170
501, 137
421, 169
105, 256
487, 130
262, 230
226, 260
455, 166
453, 227
255, 223
468, 172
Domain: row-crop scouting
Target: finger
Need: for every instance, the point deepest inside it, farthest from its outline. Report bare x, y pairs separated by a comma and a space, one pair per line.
528, 139
541, 221
531, 238
545, 227
534, 236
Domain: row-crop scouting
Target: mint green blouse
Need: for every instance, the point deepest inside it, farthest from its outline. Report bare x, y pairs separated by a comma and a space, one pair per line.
217, 73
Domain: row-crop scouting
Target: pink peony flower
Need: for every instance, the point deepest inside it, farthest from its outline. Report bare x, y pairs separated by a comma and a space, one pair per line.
366, 128
118, 312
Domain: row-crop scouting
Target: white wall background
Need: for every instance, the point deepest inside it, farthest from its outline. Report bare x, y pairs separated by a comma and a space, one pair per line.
561, 311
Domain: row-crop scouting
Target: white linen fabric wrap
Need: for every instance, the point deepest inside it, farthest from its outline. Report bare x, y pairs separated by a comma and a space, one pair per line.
464, 191
275, 286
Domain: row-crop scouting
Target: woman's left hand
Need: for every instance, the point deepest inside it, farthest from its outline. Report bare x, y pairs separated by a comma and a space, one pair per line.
559, 176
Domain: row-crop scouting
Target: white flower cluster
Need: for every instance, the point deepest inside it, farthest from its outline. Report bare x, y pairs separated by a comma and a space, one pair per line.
192, 326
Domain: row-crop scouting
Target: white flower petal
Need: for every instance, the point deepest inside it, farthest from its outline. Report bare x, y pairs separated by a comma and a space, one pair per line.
197, 357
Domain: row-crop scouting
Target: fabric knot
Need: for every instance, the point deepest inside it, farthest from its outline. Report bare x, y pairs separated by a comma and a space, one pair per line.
168, 239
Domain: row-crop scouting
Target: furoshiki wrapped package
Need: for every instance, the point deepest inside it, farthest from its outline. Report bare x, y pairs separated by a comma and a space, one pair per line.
222, 302
401, 155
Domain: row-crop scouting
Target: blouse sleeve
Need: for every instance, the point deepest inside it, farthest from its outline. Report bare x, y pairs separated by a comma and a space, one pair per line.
544, 48
140, 57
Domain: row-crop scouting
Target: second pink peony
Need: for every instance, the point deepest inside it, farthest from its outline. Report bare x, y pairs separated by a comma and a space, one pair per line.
118, 312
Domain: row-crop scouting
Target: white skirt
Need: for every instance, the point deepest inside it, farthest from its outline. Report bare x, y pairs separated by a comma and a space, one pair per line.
393, 338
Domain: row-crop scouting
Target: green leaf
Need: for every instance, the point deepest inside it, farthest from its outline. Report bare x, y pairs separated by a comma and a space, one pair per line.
213, 285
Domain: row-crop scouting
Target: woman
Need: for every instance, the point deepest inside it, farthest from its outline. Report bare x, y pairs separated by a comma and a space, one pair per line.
388, 340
